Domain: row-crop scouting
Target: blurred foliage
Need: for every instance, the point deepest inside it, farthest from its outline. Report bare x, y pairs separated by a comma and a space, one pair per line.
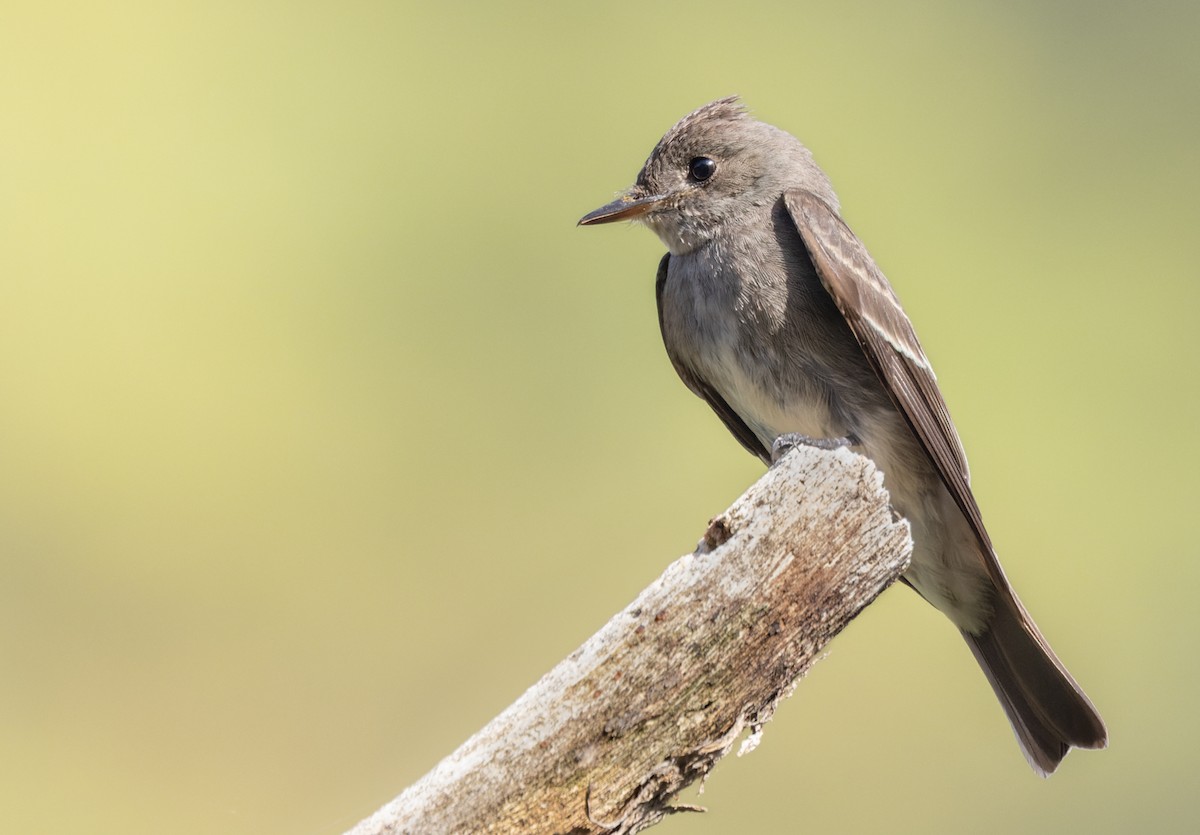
324, 432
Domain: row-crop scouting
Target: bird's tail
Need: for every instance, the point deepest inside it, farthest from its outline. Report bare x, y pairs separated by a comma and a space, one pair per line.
1049, 712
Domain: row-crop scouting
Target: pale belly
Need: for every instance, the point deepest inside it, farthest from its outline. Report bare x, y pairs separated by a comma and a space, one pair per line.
769, 407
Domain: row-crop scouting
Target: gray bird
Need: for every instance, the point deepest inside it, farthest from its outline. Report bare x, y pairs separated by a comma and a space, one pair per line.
773, 312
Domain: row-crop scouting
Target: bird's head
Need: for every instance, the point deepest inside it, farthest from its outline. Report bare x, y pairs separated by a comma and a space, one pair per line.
716, 166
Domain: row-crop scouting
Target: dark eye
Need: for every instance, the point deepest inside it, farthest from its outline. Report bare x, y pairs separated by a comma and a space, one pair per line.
701, 168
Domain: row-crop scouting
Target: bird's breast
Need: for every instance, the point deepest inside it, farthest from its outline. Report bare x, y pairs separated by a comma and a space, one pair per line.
735, 331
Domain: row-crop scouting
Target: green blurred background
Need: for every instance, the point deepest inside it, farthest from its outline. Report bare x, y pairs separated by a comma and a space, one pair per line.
324, 432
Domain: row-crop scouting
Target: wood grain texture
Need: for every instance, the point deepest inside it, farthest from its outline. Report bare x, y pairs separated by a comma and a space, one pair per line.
608, 738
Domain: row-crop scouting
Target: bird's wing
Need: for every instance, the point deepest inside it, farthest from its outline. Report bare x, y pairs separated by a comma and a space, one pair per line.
881, 327
700, 387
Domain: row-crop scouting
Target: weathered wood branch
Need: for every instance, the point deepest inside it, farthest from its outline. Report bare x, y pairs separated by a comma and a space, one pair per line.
608, 738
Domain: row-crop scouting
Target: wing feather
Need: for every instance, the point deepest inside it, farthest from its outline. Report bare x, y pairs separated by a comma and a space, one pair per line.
871, 309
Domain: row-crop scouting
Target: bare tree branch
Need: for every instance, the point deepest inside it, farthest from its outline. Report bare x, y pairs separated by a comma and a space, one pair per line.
608, 738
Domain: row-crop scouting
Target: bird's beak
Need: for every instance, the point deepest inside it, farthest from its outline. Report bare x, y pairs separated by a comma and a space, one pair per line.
628, 206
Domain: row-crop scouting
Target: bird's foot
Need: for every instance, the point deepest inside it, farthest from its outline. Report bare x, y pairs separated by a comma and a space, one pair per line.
790, 440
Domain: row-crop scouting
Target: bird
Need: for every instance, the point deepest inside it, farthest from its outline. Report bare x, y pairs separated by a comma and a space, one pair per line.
773, 312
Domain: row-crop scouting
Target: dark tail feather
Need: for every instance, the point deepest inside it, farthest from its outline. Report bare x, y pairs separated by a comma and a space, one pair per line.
1049, 712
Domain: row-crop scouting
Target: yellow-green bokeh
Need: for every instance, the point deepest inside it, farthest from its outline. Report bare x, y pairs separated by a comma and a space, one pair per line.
324, 433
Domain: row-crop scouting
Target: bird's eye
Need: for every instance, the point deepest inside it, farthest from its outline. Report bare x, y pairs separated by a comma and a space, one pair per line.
701, 168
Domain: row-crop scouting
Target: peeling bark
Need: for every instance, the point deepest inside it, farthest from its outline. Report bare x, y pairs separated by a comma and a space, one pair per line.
648, 705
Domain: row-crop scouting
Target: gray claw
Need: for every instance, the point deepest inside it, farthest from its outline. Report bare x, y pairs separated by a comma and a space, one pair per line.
789, 440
